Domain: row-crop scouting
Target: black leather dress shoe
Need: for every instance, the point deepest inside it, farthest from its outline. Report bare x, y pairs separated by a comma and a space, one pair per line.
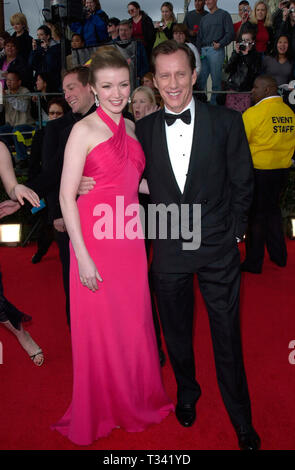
248, 438
186, 414
37, 257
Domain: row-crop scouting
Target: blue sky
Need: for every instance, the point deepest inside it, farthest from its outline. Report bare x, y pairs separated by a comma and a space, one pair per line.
32, 9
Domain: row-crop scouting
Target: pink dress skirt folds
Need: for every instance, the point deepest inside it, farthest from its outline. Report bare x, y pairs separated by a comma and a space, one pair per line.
117, 377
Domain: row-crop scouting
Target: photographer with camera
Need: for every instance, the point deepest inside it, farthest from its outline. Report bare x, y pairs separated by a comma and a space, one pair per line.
93, 27
284, 20
46, 56
243, 67
164, 28
244, 14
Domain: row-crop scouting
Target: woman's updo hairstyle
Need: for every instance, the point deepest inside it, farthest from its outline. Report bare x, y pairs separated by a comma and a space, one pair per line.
106, 57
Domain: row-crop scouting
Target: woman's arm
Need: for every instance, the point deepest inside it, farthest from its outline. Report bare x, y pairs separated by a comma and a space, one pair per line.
6, 169
74, 161
16, 192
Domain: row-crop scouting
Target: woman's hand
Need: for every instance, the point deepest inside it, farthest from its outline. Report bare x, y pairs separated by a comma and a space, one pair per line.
21, 192
8, 207
88, 273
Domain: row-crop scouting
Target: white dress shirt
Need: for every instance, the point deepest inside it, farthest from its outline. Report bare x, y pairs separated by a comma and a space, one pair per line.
179, 138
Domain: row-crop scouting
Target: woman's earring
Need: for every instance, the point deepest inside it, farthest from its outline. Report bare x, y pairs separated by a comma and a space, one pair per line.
96, 100
129, 100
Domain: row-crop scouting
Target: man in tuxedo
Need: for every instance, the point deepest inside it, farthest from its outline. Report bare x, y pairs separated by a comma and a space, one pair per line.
199, 154
80, 98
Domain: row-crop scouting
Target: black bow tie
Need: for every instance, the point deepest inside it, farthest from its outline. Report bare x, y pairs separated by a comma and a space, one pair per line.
171, 118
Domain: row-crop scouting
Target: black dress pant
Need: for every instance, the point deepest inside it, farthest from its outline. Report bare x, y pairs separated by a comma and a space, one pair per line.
219, 284
144, 200
265, 226
63, 240
45, 234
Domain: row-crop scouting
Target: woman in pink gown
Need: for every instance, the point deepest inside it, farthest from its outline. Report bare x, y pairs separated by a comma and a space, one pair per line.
117, 378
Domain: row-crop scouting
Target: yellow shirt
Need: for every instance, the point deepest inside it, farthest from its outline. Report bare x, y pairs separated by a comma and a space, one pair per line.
270, 129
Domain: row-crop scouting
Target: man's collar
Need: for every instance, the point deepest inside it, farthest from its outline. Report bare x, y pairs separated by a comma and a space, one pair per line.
78, 116
190, 106
267, 98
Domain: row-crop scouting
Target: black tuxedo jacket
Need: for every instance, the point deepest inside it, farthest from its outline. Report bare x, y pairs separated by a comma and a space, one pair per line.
220, 178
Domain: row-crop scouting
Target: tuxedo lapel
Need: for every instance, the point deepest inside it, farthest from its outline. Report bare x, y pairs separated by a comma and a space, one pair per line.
201, 153
161, 159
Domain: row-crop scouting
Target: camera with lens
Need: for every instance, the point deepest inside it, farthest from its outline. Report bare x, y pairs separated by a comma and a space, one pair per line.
38, 42
243, 46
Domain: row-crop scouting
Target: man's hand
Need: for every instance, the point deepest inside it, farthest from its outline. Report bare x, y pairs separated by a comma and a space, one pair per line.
216, 45
59, 225
8, 207
86, 184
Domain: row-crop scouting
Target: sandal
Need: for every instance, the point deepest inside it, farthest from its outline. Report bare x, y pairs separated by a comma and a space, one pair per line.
38, 353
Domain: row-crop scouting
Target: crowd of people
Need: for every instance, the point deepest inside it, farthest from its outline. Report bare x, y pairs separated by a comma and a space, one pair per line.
263, 44
130, 124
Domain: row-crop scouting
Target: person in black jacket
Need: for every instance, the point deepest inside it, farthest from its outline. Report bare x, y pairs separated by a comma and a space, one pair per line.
43, 85
244, 66
12, 62
261, 21
80, 98
46, 56
23, 40
284, 22
142, 26
57, 107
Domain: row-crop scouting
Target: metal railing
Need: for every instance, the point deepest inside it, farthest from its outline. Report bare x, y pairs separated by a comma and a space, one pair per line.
39, 107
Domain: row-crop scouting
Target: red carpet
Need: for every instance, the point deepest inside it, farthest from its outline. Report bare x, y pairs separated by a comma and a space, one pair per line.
33, 398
